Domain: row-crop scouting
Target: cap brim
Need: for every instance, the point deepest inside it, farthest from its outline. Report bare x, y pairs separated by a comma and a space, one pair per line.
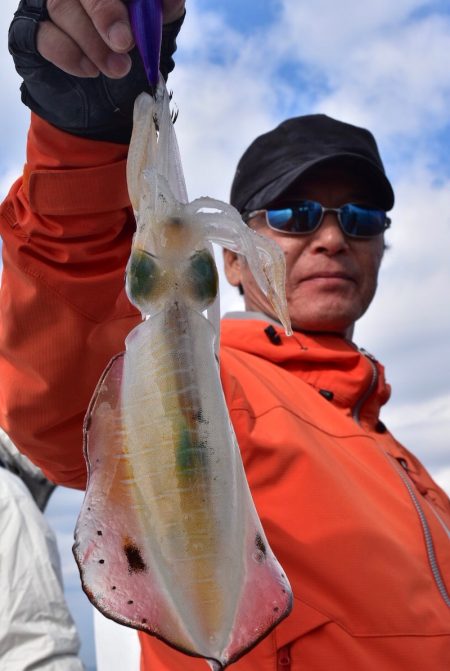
382, 188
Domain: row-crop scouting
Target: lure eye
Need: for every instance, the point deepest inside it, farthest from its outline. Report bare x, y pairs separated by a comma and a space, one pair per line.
144, 278
203, 279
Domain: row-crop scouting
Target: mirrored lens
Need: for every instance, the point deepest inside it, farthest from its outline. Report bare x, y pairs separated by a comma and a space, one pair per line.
362, 222
303, 218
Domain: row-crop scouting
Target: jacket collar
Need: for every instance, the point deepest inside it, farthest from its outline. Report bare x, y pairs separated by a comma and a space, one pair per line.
328, 362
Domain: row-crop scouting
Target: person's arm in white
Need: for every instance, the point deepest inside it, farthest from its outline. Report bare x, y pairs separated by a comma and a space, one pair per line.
36, 629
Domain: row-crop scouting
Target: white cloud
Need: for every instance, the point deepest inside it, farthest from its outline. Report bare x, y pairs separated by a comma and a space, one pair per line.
13, 115
408, 325
13, 118
399, 86
422, 426
443, 479
206, 36
8, 178
326, 32
383, 65
215, 123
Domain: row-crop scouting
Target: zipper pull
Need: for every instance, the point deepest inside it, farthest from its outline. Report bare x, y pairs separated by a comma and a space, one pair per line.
284, 658
421, 488
403, 463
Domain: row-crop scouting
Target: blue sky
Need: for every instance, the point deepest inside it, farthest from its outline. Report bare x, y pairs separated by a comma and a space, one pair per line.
243, 67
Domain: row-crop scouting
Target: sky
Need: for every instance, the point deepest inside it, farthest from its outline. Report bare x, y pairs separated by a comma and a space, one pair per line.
242, 68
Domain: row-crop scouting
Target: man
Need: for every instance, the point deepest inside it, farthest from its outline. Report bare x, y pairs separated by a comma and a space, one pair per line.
353, 517
331, 269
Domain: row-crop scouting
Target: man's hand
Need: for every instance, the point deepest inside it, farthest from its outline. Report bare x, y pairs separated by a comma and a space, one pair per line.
86, 37
81, 54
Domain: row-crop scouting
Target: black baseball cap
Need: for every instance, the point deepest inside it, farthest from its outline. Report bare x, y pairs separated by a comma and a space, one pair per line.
278, 158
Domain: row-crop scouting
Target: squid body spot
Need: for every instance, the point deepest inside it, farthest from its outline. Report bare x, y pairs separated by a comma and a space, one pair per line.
134, 558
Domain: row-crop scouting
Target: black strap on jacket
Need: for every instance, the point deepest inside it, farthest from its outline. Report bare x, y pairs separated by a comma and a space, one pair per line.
96, 108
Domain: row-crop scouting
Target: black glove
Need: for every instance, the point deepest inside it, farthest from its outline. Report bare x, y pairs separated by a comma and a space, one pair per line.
96, 108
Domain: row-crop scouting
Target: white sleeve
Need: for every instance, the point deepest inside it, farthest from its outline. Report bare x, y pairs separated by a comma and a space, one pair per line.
36, 629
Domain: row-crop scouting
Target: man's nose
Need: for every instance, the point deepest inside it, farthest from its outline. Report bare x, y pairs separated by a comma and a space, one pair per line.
329, 237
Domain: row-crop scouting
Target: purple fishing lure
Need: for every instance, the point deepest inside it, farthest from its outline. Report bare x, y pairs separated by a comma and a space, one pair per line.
146, 23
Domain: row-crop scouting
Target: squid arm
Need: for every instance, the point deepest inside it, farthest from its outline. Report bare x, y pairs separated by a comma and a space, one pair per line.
225, 227
168, 539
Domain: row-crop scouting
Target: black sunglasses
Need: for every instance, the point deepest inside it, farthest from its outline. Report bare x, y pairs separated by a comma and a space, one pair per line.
306, 216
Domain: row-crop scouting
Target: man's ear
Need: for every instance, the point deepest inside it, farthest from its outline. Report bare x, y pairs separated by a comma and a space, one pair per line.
232, 266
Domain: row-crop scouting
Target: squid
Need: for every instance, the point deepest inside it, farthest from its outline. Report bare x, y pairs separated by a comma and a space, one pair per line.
168, 540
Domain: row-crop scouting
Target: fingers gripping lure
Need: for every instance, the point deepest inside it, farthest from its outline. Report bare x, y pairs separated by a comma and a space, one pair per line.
168, 539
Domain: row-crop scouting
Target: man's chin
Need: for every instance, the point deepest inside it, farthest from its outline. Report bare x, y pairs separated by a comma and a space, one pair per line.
341, 325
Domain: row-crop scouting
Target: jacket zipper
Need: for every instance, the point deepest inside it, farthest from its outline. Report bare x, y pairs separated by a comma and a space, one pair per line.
426, 532
410, 488
284, 658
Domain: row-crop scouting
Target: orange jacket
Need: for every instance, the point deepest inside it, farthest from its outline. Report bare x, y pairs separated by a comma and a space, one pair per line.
66, 229
341, 502
355, 520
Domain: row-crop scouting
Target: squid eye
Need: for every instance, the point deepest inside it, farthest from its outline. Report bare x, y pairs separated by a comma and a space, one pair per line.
203, 277
143, 276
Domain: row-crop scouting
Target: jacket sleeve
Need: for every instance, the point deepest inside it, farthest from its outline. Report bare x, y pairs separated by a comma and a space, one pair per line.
66, 227
37, 630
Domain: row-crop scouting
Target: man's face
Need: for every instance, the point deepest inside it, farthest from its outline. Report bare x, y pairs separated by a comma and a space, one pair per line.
330, 278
